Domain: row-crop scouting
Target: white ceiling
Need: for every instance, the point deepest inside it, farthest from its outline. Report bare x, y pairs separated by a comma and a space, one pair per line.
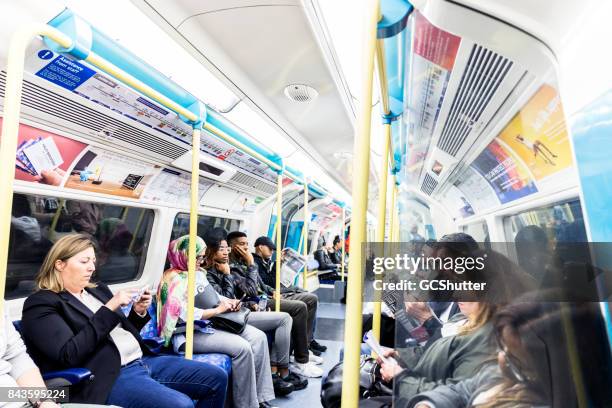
258, 49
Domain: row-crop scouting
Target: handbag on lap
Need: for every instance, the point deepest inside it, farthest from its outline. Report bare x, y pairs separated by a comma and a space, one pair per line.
231, 322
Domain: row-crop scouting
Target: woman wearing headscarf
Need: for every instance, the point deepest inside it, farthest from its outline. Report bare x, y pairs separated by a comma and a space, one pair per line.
252, 383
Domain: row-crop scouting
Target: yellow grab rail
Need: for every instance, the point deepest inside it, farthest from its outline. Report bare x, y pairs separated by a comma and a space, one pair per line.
279, 214
343, 244
361, 169
305, 235
382, 214
193, 229
10, 130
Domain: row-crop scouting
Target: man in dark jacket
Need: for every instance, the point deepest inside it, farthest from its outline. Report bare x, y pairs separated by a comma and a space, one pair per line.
249, 283
264, 248
335, 255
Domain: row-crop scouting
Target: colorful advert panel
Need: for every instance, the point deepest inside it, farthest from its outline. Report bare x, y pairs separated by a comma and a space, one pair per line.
434, 53
538, 134
102, 171
84, 80
44, 157
173, 187
507, 176
475, 187
457, 204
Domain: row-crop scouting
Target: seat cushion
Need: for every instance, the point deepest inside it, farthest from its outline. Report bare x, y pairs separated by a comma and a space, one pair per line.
220, 360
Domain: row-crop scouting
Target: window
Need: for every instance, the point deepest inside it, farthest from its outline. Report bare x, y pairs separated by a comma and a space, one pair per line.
549, 235
121, 235
561, 222
205, 224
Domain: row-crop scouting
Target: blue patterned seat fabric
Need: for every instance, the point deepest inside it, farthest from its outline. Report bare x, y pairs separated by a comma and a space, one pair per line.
149, 331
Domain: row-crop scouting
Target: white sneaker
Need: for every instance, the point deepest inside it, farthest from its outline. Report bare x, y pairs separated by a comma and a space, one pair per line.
314, 359
307, 370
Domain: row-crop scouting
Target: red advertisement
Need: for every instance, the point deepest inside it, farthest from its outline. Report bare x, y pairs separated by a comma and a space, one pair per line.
434, 44
44, 157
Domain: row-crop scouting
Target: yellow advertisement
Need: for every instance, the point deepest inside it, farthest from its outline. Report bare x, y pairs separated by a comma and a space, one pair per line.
538, 134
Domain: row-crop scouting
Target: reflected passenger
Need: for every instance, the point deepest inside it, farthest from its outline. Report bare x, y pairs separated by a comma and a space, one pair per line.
88, 329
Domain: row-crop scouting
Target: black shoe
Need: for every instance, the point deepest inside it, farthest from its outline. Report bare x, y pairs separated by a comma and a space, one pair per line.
316, 346
315, 352
265, 404
299, 383
281, 387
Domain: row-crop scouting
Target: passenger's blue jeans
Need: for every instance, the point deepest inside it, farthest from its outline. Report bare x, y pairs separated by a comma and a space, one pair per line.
169, 382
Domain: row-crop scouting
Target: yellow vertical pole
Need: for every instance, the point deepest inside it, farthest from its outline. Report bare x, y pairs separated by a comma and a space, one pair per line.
392, 214
305, 236
10, 130
279, 214
193, 232
380, 232
395, 230
343, 244
361, 170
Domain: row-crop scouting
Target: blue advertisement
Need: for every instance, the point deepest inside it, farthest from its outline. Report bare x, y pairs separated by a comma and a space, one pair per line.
64, 72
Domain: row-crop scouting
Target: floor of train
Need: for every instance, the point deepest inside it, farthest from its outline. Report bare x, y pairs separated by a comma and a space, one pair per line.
329, 332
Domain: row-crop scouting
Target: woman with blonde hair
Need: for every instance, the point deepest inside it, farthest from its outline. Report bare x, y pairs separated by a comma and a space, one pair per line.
72, 322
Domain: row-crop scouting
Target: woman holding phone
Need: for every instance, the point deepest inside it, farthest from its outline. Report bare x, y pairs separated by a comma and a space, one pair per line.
87, 329
252, 385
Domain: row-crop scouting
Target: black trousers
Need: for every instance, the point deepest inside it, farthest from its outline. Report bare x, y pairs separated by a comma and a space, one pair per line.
299, 329
312, 301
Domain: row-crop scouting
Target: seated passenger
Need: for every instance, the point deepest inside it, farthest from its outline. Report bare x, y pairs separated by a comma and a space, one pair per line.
321, 255
533, 365
244, 268
16, 367
335, 255
232, 285
251, 376
88, 329
464, 347
264, 248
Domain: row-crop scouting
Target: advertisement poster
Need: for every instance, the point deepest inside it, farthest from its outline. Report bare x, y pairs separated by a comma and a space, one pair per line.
508, 177
87, 82
538, 134
102, 171
434, 53
174, 187
44, 157
457, 204
475, 187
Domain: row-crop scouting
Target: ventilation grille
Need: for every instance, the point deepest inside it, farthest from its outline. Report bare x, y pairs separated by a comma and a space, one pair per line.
46, 101
300, 93
244, 180
484, 73
429, 184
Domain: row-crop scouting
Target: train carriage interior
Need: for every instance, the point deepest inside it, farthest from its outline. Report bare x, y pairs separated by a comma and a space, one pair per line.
305, 149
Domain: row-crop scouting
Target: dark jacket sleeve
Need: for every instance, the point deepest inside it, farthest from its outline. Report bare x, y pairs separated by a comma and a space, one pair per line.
223, 284
41, 321
138, 321
324, 261
461, 393
250, 278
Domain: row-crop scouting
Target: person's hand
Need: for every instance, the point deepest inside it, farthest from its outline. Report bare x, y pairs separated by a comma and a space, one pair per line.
121, 298
48, 404
390, 369
235, 304
223, 307
244, 254
223, 267
274, 295
52, 177
388, 352
418, 310
142, 304
255, 307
